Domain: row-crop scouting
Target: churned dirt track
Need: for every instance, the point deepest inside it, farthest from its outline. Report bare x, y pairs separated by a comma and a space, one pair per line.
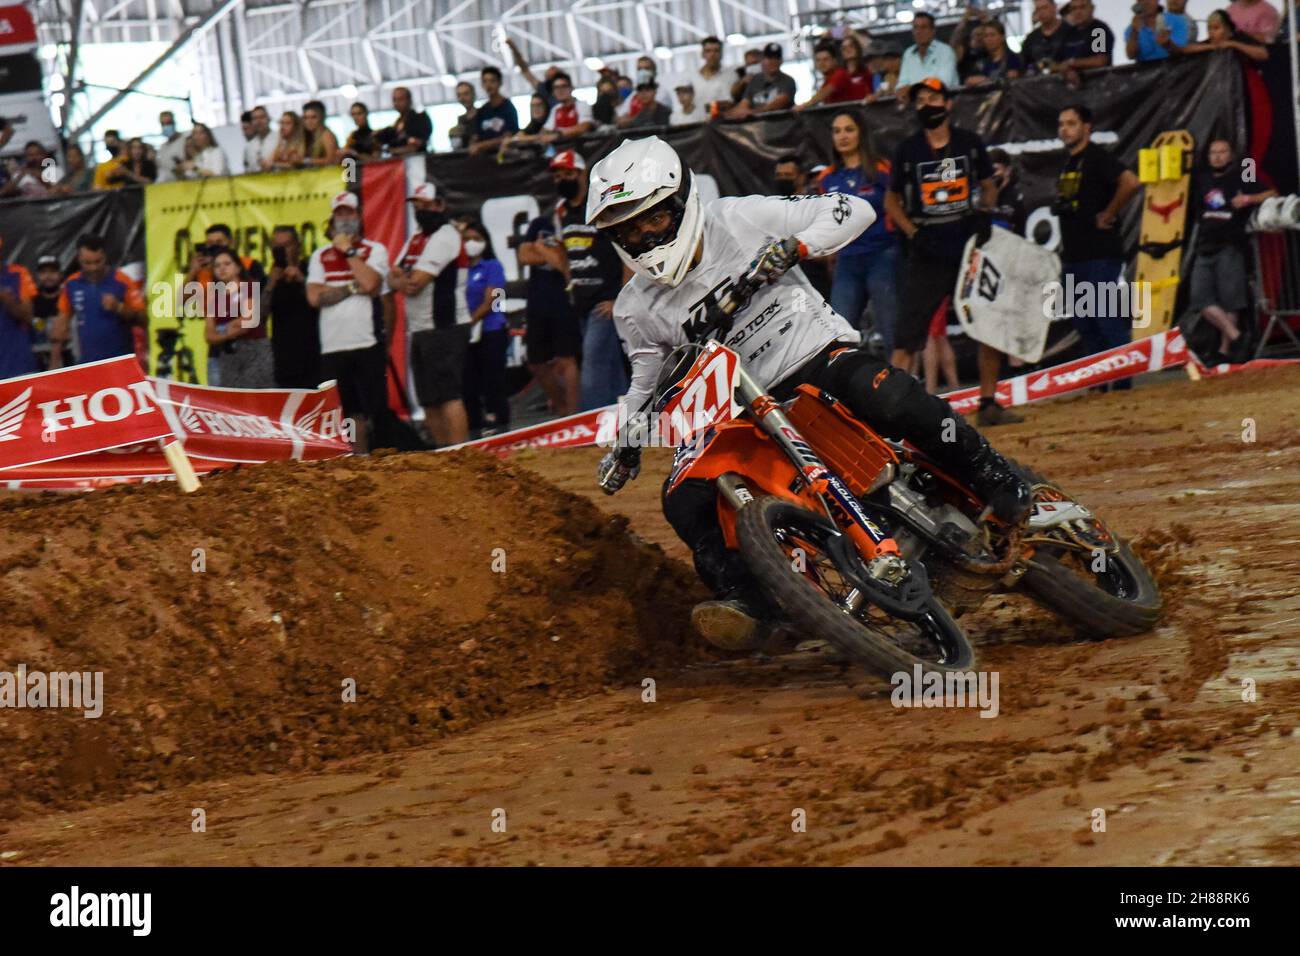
464, 718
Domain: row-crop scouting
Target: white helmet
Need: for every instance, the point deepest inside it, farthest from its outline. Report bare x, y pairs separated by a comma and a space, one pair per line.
639, 175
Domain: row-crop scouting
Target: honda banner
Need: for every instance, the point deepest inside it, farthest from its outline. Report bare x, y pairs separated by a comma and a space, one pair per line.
77, 411
245, 426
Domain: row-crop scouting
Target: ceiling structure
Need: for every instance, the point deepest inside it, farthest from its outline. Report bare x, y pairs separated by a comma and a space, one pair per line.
280, 53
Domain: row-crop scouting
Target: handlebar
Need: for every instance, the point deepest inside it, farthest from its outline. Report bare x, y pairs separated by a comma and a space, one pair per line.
735, 299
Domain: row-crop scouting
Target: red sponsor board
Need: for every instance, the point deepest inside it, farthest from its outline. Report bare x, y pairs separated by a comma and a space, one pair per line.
247, 426
574, 431
134, 463
77, 411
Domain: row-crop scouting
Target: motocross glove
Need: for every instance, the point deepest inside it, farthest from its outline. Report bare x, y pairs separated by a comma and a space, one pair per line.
617, 468
776, 258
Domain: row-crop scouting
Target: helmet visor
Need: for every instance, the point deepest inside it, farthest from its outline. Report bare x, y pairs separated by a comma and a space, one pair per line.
650, 229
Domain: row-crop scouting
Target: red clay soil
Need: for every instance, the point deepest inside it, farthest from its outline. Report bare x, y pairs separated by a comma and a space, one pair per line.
380, 571
469, 715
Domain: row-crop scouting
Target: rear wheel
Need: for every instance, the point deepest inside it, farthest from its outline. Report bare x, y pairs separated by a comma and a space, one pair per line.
784, 546
1105, 590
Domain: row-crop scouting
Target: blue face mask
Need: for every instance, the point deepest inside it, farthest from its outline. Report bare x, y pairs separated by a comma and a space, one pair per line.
624, 92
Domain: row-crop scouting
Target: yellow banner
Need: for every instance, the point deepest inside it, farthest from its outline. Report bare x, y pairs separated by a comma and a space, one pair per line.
177, 215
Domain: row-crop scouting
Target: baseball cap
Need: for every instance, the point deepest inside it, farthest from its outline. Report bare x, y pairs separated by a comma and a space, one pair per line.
932, 83
569, 159
342, 200
47, 261
773, 50
423, 191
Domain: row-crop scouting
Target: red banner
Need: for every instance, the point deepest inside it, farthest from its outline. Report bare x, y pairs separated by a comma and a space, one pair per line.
383, 220
573, 431
77, 411
235, 425
135, 463
17, 29
1160, 351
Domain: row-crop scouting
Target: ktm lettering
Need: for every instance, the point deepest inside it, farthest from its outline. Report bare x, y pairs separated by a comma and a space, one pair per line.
107, 405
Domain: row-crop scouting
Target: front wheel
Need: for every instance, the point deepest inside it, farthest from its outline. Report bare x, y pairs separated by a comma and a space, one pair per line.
784, 547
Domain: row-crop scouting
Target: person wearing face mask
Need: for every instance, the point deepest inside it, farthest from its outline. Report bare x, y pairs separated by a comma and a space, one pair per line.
1222, 200
172, 152
595, 277
105, 177
487, 397
751, 68
789, 178
430, 274
941, 181
345, 280
1009, 209
647, 74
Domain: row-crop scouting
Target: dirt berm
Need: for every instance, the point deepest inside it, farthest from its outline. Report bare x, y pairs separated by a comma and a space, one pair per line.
228, 624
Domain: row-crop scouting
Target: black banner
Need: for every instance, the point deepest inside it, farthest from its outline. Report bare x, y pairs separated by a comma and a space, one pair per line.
36, 227
1131, 105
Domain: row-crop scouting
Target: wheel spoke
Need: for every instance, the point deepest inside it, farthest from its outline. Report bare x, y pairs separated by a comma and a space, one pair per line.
923, 639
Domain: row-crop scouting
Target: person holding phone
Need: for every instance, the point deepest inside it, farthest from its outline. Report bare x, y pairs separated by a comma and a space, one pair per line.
295, 324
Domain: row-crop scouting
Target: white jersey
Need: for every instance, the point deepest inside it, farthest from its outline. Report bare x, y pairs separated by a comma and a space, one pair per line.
785, 324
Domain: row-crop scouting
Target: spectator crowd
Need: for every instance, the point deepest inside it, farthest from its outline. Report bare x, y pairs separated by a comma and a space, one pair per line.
329, 313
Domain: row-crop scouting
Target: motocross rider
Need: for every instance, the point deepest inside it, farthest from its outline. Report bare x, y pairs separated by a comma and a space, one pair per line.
684, 256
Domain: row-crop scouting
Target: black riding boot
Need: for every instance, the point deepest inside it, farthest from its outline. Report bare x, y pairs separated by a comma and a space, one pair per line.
739, 617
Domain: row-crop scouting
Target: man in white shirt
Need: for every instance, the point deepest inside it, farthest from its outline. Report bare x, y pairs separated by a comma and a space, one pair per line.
261, 146
345, 280
926, 57
429, 272
712, 84
171, 152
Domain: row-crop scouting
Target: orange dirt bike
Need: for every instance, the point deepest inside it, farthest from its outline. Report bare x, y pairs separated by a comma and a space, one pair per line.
865, 542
